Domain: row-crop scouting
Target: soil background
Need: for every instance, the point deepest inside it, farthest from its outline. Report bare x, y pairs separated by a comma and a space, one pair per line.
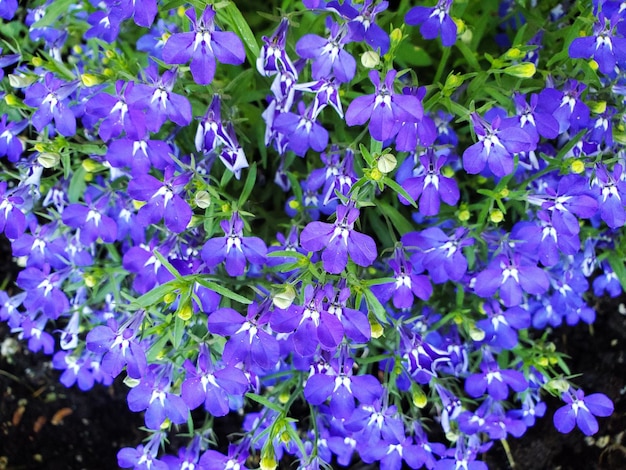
44, 425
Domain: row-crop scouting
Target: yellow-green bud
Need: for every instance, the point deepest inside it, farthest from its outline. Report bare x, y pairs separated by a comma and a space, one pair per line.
593, 64
294, 204
523, 70
464, 215
37, 61
285, 297
386, 163
577, 166
514, 54
496, 216
453, 81
90, 281
11, 99
89, 80
504, 193
370, 59
49, 160
476, 333
419, 397
185, 311
597, 107
377, 328
91, 166
284, 398
376, 174
396, 35
203, 199
558, 385
169, 297
460, 25
77, 49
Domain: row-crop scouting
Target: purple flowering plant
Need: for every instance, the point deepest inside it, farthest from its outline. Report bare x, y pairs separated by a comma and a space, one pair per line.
371, 214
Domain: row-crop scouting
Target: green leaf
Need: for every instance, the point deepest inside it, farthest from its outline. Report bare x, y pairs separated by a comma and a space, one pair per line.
248, 186
375, 306
231, 15
77, 185
399, 189
400, 223
156, 295
264, 401
53, 11
222, 290
166, 264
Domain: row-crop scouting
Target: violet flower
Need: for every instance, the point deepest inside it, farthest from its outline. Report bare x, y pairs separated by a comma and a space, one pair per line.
203, 44
581, 410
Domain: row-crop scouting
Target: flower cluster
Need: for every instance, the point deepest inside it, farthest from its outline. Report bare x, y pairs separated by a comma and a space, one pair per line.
383, 245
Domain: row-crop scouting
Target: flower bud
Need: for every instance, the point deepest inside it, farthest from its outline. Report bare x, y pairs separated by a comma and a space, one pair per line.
37, 61
419, 397
20, 81
476, 333
452, 83
48, 159
185, 311
514, 53
90, 281
464, 215
91, 166
285, 297
396, 35
597, 107
11, 100
370, 59
376, 174
496, 216
203, 199
577, 166
89, 80
169, 297
386, 163
523, 70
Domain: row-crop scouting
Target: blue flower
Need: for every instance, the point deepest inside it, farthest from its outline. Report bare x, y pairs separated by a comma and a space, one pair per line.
581, 410
203, 44
434, 21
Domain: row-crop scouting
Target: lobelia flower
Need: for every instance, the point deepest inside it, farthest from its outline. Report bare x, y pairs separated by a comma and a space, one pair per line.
501, 326
581, 410
356, 326
494, 381
302, 130
339, 240
91, 221
536, 121
118, 113
512, 274
119, 346
362, 23
8, 9
328, 54
163, 200
249, 343
570, 112
607, 49
153, 395
342, 387
235, 460
326, 93
234, 249
44, 291
143, 457
273, 58
210, 130
105, 23
159, 100
232, 154
611, 194
12, 219
384, 109
153, 42
434, 21
607, 282
412, 134
147, 267
202, 45
142, 11
496, 146
10, 145
205, 384
408, 283
51, 98
7, 59
139, 152
441, 254
428, 187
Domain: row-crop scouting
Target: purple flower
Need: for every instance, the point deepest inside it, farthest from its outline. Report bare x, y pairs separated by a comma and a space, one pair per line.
8, 9
611, 190
494, 381
429, 186
12, 219
384, 109
51, 98
234, 248
434, 21
273, 58
44, 291
10, 144
153, 395
210, 386
203, 44
162, 199
329, 57
302, 131
362, 23
581, 410
91, 221
338, 240
143, 457
607, 49
496, 147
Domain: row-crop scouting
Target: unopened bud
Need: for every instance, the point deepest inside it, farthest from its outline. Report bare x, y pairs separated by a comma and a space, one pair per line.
419, 397
496, 216
285, 297
476, 334
577, 166
370, 59
91, 166
464, 215
396, 35
90, 281
203, 199
169, 297
597, 107
514, 54
593, 64
523, 70
185, 311
453, 81
460, 26
21, 80
387, 163
37, 61
89, 80
11, 100
377, 328
48, 159
376, 174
